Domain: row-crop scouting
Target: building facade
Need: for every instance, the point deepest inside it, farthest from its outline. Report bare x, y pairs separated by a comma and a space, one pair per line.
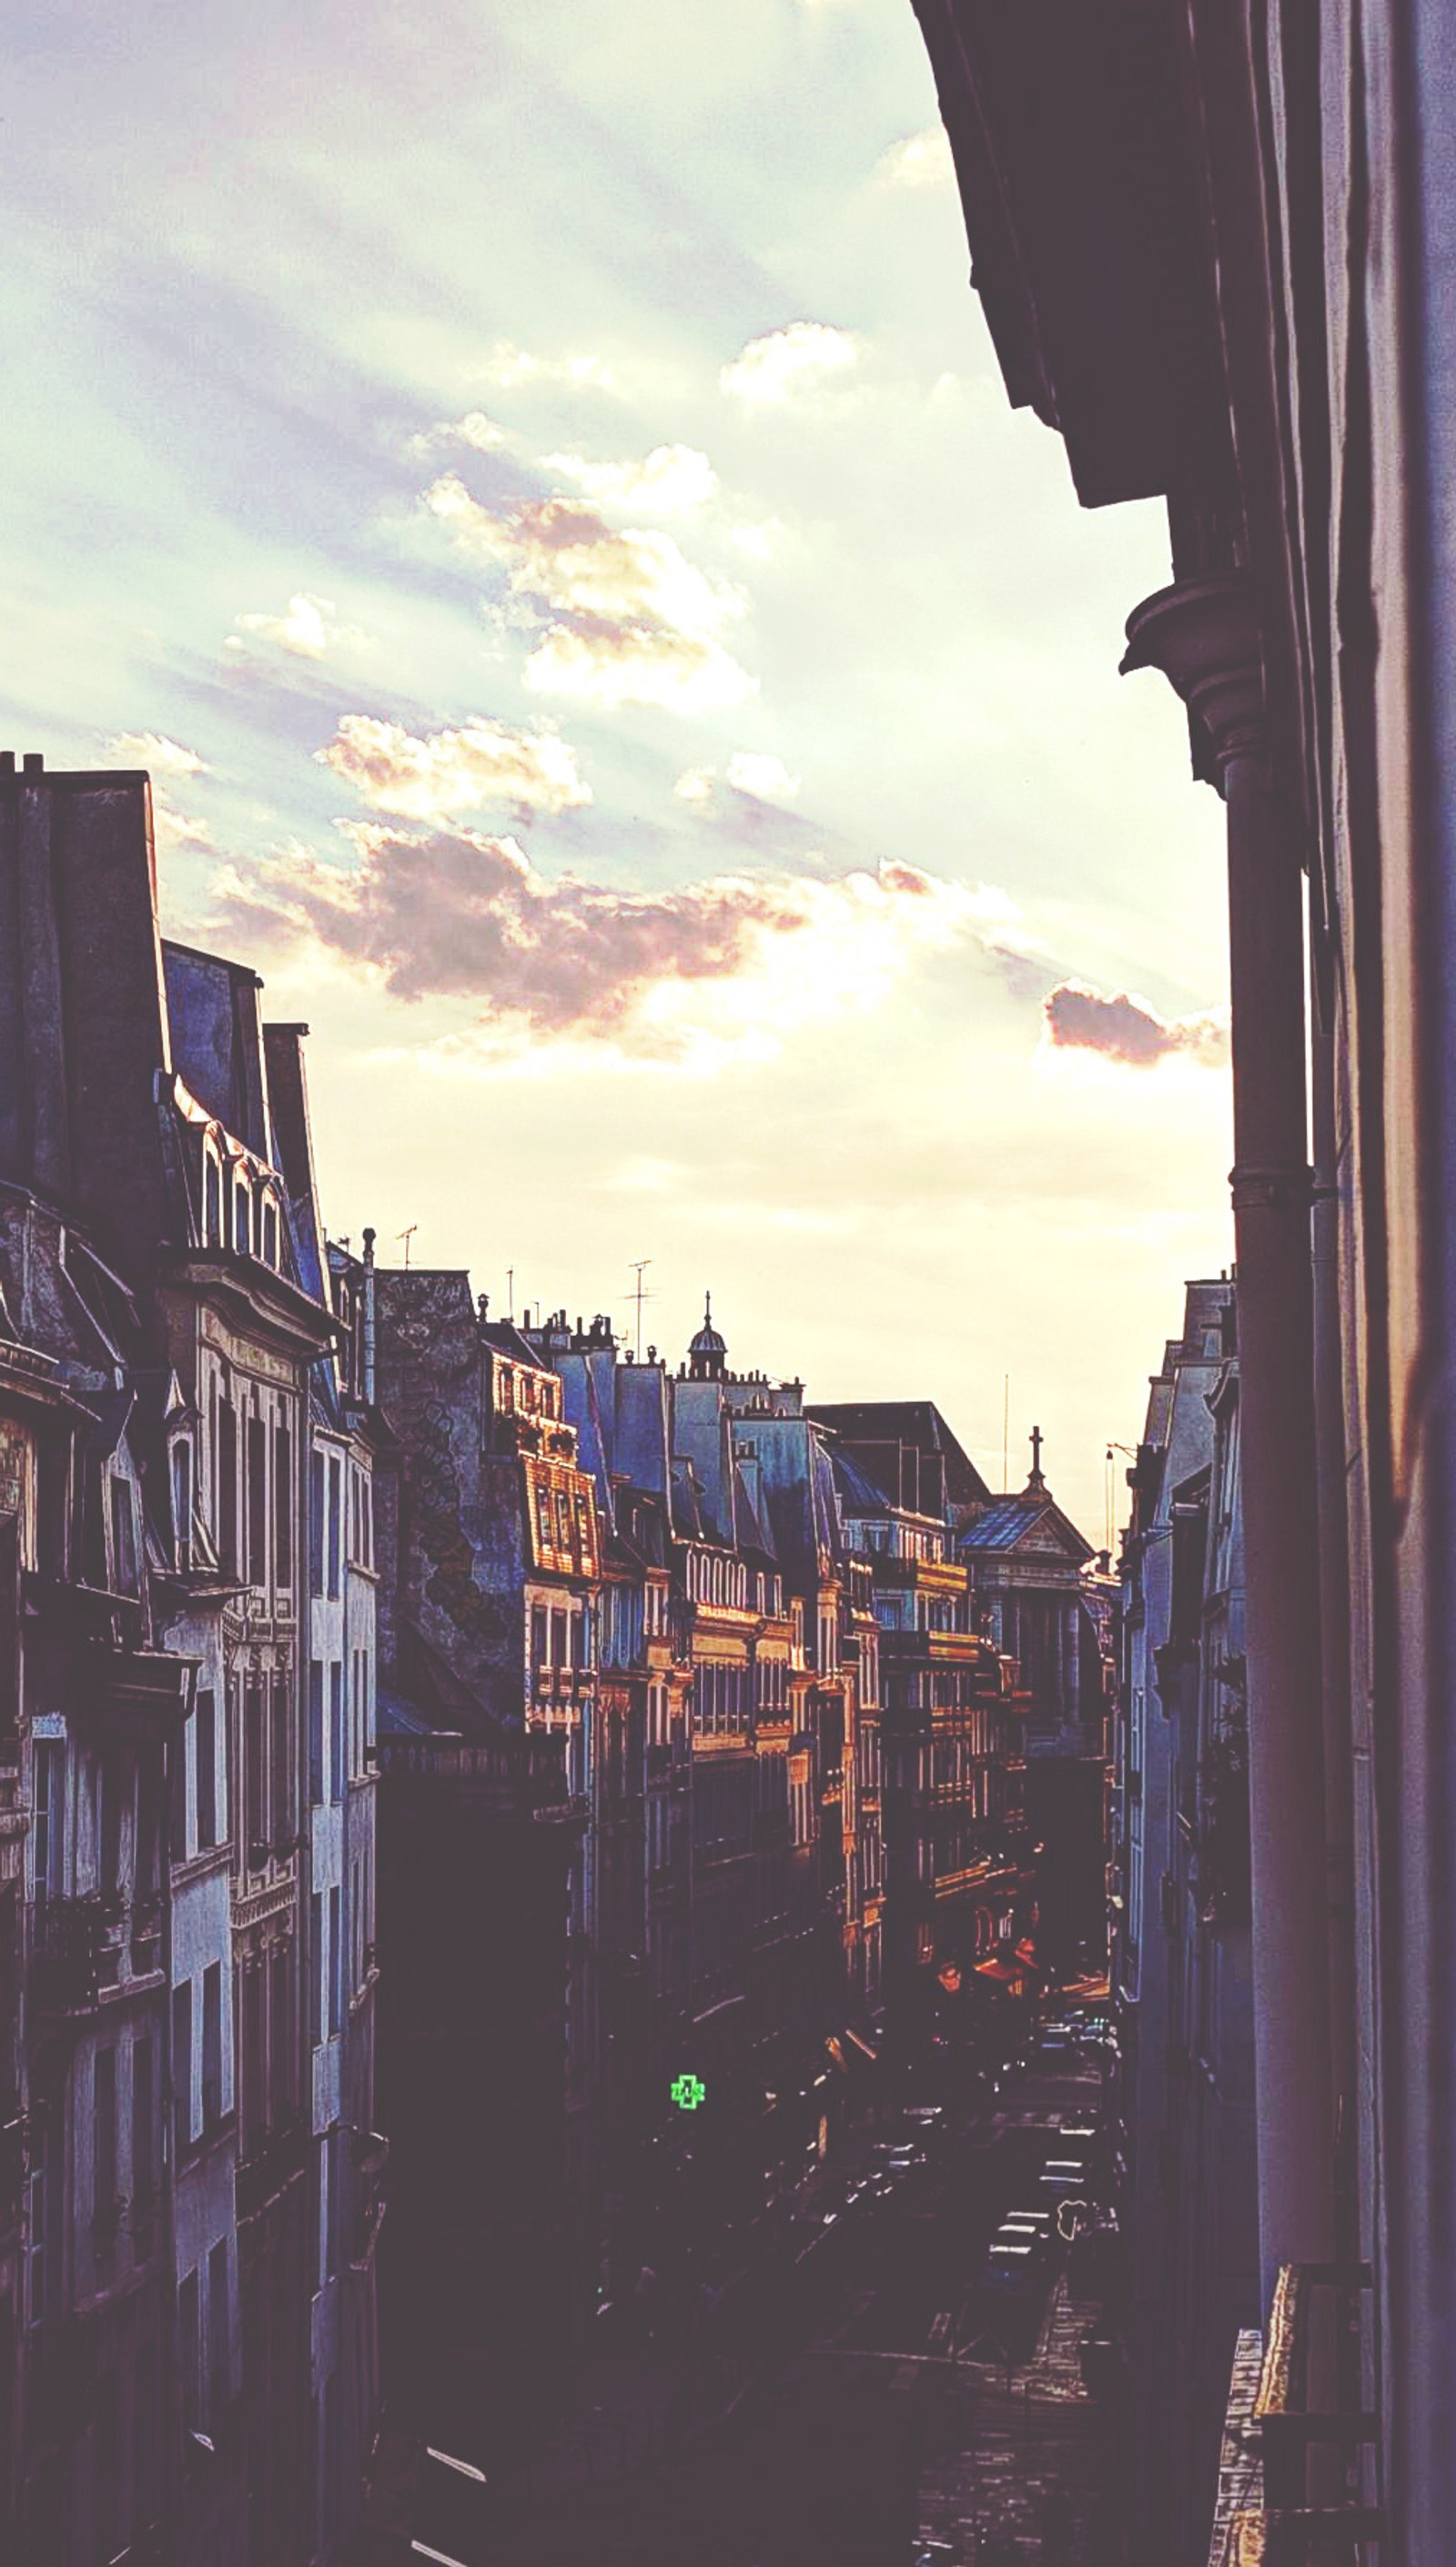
153, 1274
1181, 1914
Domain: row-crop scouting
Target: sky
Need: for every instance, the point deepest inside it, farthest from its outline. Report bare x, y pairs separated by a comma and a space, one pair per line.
531, 480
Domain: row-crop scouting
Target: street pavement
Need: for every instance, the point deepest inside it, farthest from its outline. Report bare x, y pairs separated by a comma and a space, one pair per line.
851, 2435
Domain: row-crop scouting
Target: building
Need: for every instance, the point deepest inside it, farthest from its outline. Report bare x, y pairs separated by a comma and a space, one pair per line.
1214, 251
154, 1280
488, 1560
735, 1836
957, 1875
1181, 1942
1045, 1599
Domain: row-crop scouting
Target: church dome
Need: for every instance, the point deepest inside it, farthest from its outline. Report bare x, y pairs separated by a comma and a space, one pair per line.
707, 1351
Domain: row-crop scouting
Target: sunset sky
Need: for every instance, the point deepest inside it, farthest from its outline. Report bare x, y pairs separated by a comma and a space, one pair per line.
531, 479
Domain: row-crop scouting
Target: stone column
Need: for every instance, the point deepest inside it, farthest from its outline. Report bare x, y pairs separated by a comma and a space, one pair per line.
1201, 634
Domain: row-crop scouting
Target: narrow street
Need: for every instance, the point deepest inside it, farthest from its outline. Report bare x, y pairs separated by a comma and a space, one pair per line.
899, 2412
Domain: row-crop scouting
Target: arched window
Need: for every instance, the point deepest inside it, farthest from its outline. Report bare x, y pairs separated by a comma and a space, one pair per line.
182, 1502
270, 1230
243, 1216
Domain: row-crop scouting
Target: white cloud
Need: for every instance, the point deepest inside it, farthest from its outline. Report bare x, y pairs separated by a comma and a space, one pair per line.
508, 366
305, 631
763, 776
475, 430
686, 976
149, 748
633, 620
671, 481
454, 772
920, 160
758, 774
789, 364
759, 541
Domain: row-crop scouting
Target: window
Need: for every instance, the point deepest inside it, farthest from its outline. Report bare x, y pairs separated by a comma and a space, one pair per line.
336, 1966
211, 2045
176, 1775
144, 2121
543, 1517
282, 1507
283, 2031
284, 1829
205, 1727
316, 1733
506, 1379
181, 2064
182, 1504
116, 1780
104, 2145
227, 1452
270, 1231
190, 2349
335, 1528
48, 1821
242, 1220
211, 1200
336, 1730
540, 1636
316, 1524
256, 1778
220, 2363
257, 1502
318, 1957
124, 1581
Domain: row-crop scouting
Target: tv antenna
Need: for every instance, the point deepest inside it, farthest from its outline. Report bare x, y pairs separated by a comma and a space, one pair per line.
642, 1291
407, 1235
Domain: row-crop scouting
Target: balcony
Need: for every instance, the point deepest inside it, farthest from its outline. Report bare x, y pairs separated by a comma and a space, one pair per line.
280, 2156
1289, 2398
70, 1954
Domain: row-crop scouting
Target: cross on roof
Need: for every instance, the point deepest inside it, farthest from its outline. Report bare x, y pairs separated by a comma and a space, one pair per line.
1037, 1440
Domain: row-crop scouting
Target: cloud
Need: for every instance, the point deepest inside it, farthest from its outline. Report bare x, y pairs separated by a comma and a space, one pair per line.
508, 366
475, 430
1124, 1030
149, 748
631, 618
920, 160
758, 774
761, 540
789, 364
696, 973
305, 631
173, 832
453, 770
763, 776
670, 482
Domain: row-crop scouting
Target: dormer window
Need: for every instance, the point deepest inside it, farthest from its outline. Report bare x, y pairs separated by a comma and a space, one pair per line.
182, 1502
270, 1231
243, 1216
124, 1581
212, 1200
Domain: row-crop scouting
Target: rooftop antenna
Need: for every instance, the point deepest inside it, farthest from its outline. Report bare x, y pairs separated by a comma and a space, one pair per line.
1005, 1433
510, 1292
642, 1293
407, 1235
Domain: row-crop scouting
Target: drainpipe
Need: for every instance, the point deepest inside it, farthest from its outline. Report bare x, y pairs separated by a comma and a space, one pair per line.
1203, 636
1329, 1463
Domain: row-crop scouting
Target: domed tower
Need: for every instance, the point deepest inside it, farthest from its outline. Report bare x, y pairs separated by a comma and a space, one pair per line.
708, 1355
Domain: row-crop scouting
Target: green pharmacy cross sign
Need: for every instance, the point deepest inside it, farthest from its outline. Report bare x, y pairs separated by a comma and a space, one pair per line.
687, 2091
